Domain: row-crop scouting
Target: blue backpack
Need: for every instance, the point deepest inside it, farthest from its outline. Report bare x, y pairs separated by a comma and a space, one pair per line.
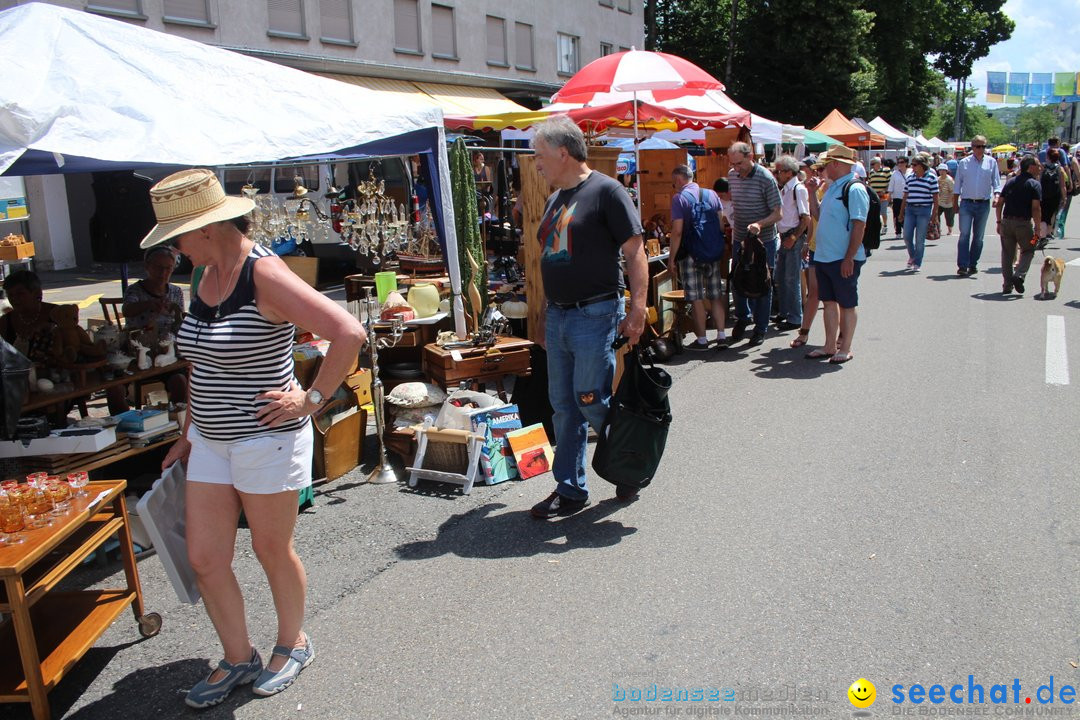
702, 236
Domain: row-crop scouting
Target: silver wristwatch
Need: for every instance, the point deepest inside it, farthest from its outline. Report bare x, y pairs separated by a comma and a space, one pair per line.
315, 396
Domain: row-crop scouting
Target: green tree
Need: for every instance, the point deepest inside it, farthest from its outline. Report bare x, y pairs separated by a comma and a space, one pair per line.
1035, 124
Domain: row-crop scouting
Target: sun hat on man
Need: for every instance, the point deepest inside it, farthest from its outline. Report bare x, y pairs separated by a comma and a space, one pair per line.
840, 154
189, 200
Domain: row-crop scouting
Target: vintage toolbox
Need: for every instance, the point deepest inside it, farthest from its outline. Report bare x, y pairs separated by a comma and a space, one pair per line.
509, 356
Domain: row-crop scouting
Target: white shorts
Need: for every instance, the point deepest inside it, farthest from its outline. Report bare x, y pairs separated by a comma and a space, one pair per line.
261, 465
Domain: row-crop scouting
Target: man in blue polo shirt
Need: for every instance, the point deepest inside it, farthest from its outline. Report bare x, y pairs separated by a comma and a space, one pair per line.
839, 255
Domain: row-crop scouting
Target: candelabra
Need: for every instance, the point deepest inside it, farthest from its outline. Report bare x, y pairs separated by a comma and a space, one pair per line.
384, 472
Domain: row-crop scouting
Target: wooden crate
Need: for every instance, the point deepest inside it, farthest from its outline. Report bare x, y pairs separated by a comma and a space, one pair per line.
17, 252
654, 182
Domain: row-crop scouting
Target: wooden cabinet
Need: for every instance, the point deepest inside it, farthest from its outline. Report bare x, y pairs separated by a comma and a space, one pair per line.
46, 632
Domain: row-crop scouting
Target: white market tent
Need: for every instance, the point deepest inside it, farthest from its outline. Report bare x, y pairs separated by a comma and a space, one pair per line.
892, 133
84, 93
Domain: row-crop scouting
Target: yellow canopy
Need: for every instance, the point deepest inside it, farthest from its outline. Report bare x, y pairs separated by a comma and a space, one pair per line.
1004, 148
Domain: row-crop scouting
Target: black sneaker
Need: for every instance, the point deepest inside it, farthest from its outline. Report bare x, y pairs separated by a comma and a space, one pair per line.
962, 271
1018, 283
626, 493
738, 331
1006, 289
756, 339
786, 325
555, 505
698, 346
972, 270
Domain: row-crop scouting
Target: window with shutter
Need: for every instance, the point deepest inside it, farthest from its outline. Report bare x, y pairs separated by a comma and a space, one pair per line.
607, 3
568, 54
335, 20
523, 46
625, 6
496, 40
286, 17
116, 7
406, 26
187, 11
606, 49
443, 41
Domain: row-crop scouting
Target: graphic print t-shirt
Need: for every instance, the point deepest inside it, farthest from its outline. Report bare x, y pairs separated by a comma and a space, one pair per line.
581, 232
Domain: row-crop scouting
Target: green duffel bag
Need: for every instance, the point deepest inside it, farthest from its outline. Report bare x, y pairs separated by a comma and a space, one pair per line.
632, 439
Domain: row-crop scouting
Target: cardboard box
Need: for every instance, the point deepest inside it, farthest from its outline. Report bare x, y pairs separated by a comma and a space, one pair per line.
60, 444
306, 267
17, 252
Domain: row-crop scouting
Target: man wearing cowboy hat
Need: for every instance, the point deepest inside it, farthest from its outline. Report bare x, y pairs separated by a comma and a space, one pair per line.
839, 254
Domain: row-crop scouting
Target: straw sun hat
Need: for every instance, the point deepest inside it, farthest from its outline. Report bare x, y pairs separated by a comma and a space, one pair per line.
837, 153
189, 200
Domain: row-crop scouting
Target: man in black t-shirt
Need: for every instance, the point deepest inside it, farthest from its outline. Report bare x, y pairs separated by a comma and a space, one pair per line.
1019, 209
586, 222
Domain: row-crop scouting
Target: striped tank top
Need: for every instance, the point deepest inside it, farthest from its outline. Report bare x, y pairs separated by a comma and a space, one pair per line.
234, 358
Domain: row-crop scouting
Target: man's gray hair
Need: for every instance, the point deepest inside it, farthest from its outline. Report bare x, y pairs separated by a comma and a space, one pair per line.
683, 171
789, 163
744, 148
560, 131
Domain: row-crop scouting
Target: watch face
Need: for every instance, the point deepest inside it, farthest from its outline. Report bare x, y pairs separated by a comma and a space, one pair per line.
316, 396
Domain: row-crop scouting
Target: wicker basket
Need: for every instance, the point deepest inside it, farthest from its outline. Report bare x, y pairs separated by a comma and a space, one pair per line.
446, 456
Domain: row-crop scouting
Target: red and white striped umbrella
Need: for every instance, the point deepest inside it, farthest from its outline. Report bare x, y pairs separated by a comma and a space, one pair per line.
666, 76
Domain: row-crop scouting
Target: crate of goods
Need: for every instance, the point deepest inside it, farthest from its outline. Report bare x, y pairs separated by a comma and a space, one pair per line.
15, 247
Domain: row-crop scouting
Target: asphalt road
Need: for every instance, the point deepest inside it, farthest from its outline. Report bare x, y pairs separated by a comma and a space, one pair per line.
909, 517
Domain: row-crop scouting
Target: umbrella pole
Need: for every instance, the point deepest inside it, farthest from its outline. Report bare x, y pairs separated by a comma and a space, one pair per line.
637, 161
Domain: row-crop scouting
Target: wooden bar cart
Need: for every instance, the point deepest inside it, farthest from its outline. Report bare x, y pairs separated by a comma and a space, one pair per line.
45, 631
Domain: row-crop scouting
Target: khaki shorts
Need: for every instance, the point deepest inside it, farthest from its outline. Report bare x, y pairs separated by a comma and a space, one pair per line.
260, 465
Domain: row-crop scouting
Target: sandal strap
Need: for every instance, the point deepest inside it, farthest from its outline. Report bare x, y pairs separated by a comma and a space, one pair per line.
282, 650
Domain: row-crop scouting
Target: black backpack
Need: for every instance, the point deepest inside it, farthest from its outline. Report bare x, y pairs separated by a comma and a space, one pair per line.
751, 276
871, 238
1051, 184
702, 236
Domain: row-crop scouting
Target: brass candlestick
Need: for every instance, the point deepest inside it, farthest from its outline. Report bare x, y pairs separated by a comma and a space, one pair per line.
384, 473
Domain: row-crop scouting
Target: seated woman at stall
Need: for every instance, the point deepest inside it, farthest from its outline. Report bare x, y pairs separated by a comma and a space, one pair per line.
153, 309
46, 333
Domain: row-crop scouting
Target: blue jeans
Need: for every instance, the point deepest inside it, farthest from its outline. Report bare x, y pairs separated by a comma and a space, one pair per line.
789, 281
973, 214
916, 221
581, 368
761, 306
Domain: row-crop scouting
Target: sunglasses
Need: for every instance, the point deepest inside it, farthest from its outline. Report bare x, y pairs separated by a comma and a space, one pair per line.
975, 147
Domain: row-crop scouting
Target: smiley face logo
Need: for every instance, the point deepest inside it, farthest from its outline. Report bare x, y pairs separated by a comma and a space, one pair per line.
862, 693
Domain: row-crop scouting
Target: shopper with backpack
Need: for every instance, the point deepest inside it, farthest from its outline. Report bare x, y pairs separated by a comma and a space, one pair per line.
697, 252
839, 254
1053, 189
757, 210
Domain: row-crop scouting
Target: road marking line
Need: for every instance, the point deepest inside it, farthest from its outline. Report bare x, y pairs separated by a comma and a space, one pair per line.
1074, 261
1057, 357
92, 300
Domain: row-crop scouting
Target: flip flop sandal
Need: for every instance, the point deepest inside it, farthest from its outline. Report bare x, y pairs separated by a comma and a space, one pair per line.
801, 338
840, 358
818, 354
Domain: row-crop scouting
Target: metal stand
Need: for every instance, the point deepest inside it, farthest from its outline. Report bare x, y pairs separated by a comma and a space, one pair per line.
384, 473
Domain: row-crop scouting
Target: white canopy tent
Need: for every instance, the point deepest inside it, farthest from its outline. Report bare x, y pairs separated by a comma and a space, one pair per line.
892, 133
85, 93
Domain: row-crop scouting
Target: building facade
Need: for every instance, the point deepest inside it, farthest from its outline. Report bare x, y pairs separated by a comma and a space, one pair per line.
468, 52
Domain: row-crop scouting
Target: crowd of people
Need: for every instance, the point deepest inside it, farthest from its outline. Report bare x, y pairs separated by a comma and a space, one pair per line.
810, 215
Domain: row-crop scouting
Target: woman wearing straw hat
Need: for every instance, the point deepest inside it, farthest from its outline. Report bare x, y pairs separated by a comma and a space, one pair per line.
247, 441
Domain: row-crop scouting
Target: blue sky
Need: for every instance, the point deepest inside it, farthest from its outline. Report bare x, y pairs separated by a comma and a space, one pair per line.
1046, 39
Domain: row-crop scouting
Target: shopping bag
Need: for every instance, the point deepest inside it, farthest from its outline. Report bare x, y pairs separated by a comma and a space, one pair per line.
631, 441
162, 511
